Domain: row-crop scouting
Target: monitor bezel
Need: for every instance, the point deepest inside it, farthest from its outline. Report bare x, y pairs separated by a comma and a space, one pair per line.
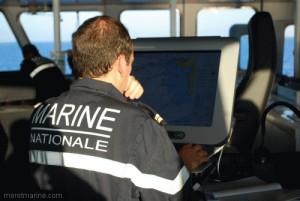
218, 133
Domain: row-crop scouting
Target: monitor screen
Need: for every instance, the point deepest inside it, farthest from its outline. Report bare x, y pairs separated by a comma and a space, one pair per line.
181, 79
177, 86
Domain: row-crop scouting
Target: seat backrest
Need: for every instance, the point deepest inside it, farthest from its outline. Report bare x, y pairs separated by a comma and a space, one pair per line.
3, 144
13, 109
253, 91
15, 114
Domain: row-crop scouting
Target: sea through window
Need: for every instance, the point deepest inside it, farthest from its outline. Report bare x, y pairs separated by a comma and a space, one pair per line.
11, 55
220, 21
288, 51
40, 29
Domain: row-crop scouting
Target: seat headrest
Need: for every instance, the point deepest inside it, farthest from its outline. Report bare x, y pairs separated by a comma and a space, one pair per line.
16, 93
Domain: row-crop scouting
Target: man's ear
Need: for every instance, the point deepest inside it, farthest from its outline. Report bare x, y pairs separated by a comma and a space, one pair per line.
122, 65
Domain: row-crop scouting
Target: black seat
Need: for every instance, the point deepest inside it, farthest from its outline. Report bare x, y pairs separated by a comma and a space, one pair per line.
14, 131
253, 91
3, 144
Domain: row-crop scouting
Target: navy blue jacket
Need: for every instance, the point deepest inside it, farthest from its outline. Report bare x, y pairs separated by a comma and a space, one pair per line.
45, 76
90, 143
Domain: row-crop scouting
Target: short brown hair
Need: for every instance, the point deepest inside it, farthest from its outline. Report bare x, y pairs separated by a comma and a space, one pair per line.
97, 43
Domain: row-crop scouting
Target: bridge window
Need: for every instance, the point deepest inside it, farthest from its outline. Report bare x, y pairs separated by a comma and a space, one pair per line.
221, 22
40, 30
155, 23
288, 52
11, 55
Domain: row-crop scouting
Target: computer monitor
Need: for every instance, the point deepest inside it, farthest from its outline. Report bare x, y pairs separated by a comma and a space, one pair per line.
190, 82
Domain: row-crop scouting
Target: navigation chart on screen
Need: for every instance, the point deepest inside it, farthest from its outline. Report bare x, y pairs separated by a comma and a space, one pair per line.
180, 86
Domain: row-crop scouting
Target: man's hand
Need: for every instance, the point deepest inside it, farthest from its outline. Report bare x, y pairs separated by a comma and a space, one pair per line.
192, 156
134, 89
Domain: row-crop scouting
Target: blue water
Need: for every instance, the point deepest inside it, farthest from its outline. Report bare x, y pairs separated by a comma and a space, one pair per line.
11, 55
288, 57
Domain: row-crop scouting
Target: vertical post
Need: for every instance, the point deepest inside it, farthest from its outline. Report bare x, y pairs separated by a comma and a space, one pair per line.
173, 17
57, 55
56, 11
297, 39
